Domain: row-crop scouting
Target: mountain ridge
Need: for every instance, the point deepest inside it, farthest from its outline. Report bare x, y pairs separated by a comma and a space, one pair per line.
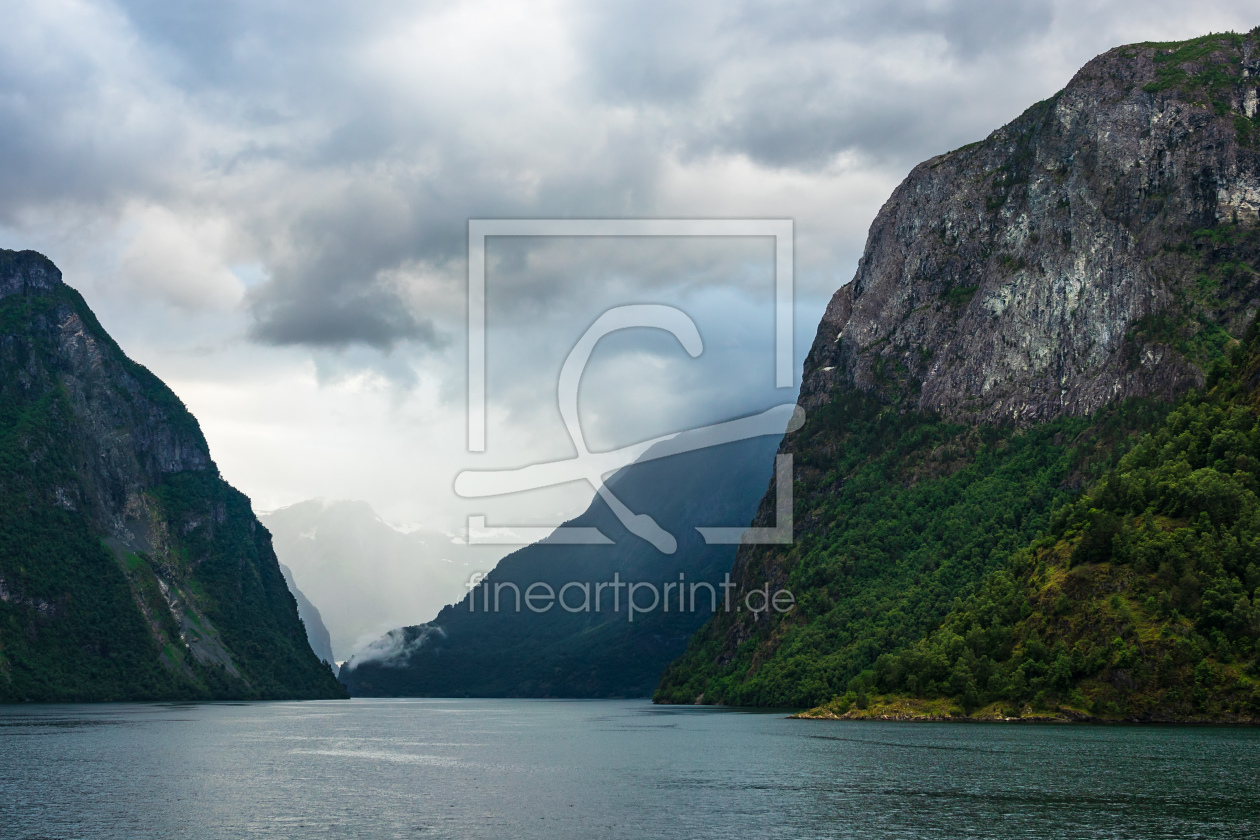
469, 651
129, 568
316, 633
1002, 279
1044, 294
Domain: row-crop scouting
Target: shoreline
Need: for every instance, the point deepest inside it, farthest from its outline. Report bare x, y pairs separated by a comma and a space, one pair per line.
903, 710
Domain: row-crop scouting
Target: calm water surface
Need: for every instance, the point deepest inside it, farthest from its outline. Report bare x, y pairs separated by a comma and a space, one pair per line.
559, 769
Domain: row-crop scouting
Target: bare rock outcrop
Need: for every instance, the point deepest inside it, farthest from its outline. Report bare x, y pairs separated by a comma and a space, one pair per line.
1011, 279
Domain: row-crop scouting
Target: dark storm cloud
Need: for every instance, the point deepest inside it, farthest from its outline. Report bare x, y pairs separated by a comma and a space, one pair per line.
972, 29
234, 44
335, 256
71, 135
795, 84
346, 145
648, 51
353, 314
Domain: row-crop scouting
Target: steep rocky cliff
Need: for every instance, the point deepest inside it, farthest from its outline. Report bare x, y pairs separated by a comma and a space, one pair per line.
128, 568
1038, 295
1009, 278
316, 633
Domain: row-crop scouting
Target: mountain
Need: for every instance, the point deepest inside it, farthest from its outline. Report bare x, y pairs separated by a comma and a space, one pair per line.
1085, 253
366, 575
129, 569
472, 650
1139, 602
316, 632
1026, 308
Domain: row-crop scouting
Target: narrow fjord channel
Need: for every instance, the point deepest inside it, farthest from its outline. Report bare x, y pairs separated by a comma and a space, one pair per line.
561, 769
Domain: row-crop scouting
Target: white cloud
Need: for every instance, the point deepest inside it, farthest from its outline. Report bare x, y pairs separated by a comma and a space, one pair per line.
181, 260
266, 202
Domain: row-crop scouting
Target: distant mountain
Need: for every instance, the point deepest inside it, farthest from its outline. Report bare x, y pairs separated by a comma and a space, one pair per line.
129, 569
556, 653
366, 575
1027, 309
316, 632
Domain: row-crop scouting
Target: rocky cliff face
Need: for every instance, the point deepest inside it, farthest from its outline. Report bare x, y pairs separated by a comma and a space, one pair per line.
131, 433
1102, 246
1005, 280
129, 568
316, 632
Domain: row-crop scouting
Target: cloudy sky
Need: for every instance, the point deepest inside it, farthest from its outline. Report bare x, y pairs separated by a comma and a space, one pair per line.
266, 202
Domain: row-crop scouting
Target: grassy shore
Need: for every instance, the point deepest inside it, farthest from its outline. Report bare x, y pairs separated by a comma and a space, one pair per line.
915, 709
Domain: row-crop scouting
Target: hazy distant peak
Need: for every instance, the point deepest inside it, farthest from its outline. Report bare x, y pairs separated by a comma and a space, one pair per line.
342, 510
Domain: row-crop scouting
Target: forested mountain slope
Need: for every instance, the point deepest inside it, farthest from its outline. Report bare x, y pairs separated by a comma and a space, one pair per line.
1025, 308
129, 569
469, 651
1140, 601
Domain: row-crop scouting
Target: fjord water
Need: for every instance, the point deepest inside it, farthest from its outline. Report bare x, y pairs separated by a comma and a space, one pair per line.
580, 769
